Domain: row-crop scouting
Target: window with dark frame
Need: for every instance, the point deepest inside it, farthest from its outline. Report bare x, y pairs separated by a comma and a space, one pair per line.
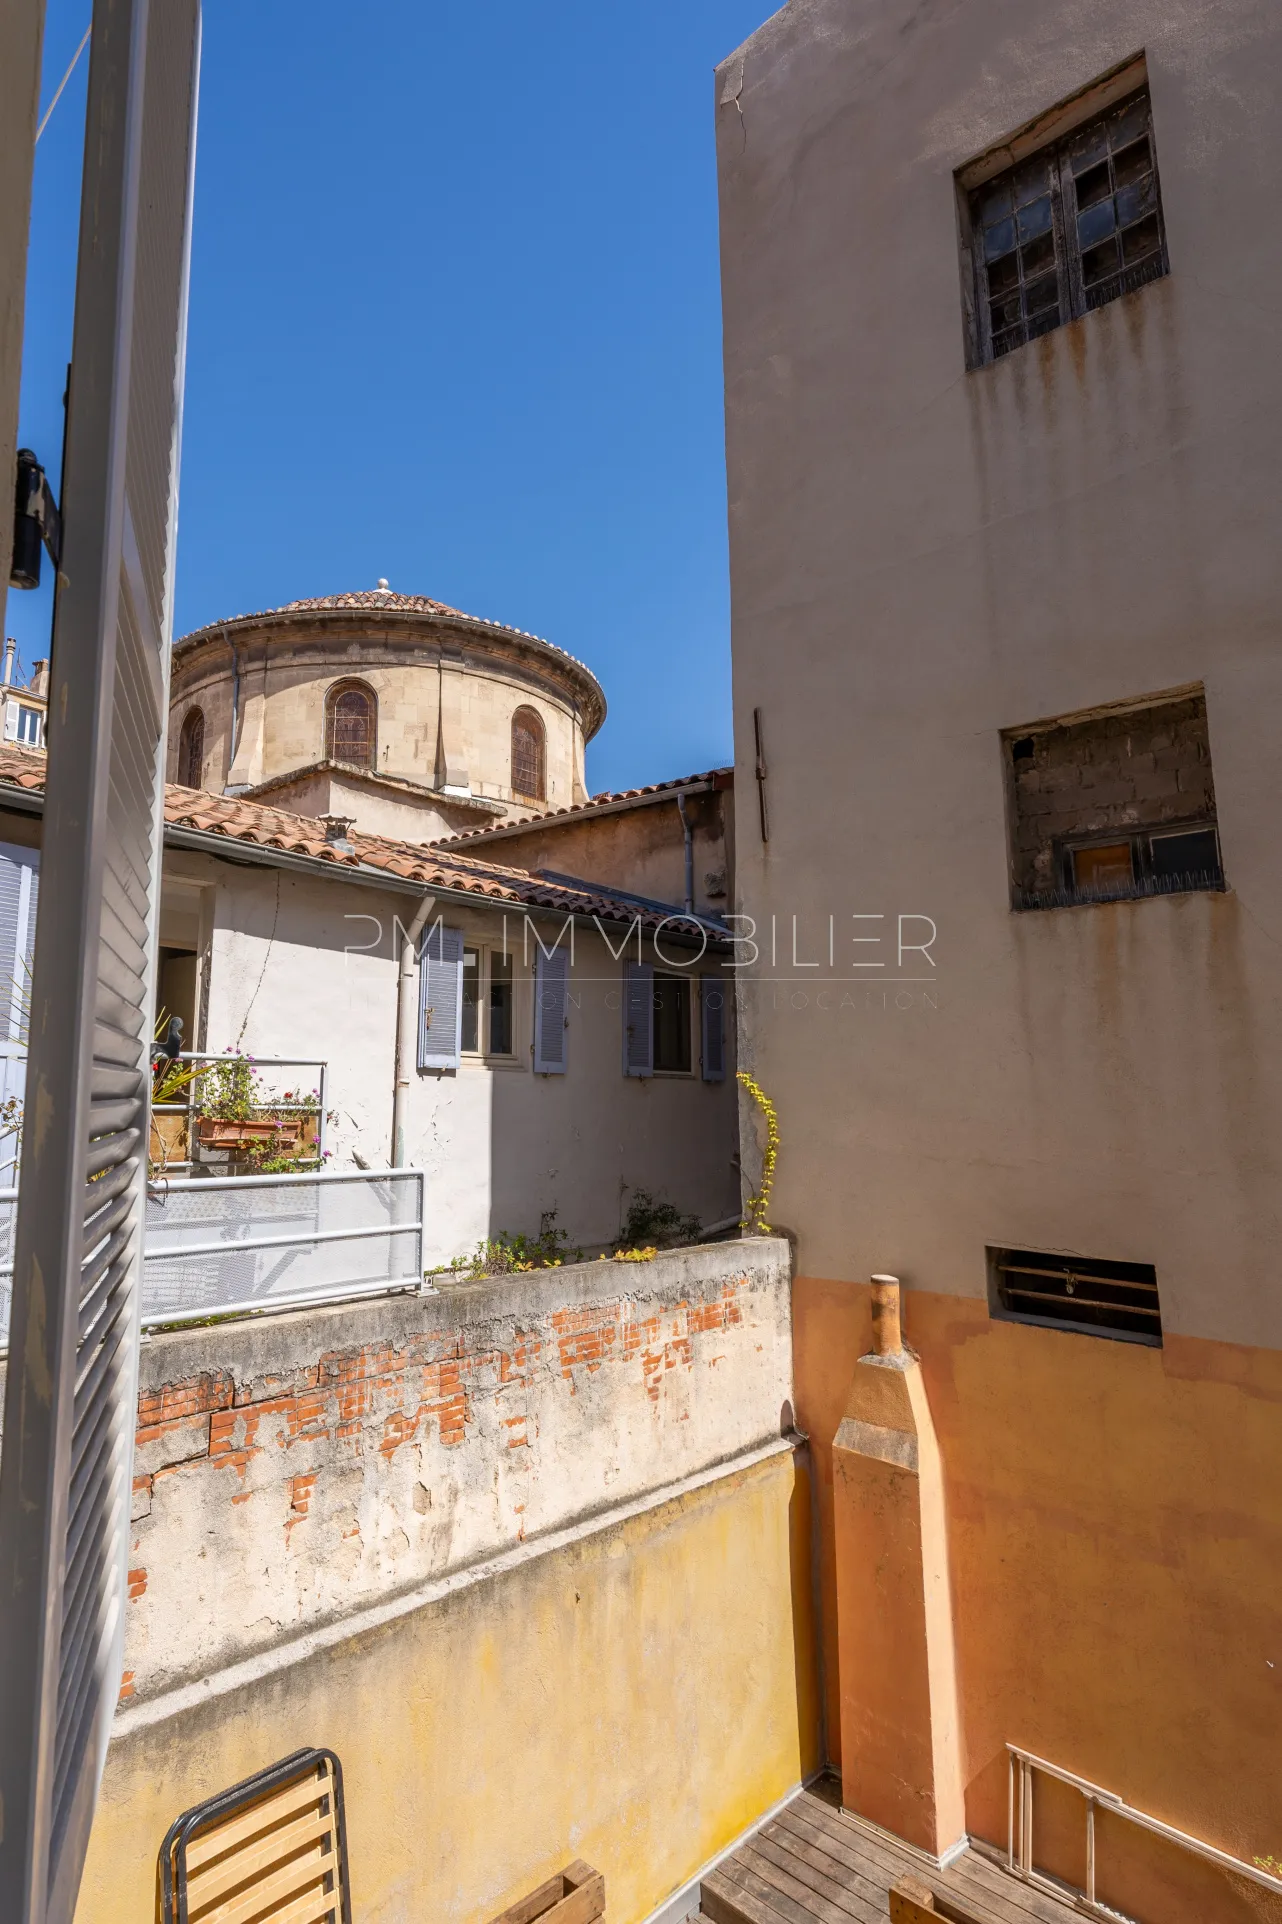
671, 1023
528, 771
1088, 1297
487, 1003
191, 749
1067, 230
351, 725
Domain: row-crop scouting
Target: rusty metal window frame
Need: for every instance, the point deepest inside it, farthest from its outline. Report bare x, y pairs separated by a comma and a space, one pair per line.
1081, 1294
1060, 208
529, 755
343, 733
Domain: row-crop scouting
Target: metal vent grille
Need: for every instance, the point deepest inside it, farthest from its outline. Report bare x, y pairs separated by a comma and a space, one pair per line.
1094, 1298
69, 1416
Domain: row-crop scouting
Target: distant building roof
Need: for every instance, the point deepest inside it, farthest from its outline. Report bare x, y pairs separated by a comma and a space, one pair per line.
608, 801
251, 824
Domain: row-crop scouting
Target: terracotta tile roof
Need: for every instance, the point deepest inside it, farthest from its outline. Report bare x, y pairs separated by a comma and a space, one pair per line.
371, 598
253, 824
713, 777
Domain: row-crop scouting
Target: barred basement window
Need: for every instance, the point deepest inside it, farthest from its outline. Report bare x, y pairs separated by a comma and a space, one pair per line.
1066, 230
1076, 1293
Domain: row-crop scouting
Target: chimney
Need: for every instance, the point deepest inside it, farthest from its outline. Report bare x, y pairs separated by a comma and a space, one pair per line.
40, 680
10, 650
338, 830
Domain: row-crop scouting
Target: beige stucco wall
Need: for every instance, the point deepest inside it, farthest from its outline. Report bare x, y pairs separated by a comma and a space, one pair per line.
289, 975
638, 849
923, 556
446, 697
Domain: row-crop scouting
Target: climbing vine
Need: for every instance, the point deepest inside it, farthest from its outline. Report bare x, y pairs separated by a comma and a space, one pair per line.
755, 1217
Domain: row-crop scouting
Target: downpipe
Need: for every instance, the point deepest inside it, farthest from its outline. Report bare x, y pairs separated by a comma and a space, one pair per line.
406, 1025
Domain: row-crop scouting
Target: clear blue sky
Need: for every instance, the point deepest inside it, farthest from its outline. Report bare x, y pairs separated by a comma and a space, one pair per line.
455, 320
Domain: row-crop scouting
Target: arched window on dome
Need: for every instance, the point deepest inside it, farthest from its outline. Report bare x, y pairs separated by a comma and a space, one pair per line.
351, 724
191, 749
529, 761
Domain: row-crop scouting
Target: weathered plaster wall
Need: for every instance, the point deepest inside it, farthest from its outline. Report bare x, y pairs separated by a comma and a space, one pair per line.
294, 1468
1114, 1537
291, 975
533, 1556
922, 557
641, 850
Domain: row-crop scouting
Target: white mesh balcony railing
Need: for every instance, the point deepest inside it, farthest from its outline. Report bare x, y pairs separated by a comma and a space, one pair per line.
250, 1243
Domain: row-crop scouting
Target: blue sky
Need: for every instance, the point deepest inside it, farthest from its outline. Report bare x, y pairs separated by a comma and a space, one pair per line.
455, 320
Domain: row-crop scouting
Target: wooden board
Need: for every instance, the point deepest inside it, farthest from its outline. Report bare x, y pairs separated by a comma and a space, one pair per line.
575, 1895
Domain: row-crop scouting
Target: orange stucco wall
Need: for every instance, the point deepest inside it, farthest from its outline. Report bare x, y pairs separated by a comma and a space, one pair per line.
1114, 1520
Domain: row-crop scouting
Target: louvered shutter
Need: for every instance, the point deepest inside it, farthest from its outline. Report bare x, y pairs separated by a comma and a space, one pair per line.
70, 1408
638, 1019
551, 1012
712, 1008
440, 998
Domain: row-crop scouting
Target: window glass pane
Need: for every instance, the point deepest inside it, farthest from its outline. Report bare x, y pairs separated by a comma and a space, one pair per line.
1103, 868
992, 202
671, 1022
500, 1005
471, 999
1134, 202
1123, 130
999, 240
1096, 224
1036, 219
1040, 256
1040, 296
1031, 179
1194, 854
1003, 277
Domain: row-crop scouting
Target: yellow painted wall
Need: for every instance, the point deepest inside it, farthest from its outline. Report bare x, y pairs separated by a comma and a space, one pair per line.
635, 1699
1115, 1544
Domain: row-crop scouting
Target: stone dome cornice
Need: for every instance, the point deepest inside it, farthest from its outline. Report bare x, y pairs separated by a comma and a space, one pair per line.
346, 617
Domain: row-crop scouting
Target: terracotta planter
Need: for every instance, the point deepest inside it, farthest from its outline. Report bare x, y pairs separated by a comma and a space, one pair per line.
214, 1132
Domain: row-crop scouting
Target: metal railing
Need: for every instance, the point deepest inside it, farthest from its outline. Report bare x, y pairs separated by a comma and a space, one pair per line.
240, 1245
1019, 1832
189, 1106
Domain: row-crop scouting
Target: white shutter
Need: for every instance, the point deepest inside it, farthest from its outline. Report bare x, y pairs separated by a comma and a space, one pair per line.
638, 1019
17, 928
11, 721
551, 1012
440, 998
712, 1008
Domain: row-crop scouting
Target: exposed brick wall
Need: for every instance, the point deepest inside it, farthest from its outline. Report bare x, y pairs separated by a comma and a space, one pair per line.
291, 1469
1145, 768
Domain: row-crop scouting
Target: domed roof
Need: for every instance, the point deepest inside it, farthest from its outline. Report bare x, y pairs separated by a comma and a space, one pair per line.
380, 597
383, 600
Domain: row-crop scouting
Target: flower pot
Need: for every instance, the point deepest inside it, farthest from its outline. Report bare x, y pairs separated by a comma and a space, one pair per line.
215, 1132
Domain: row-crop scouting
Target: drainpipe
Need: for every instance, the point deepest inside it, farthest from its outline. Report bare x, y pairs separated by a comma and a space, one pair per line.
689, 835
235, 701
405, 1026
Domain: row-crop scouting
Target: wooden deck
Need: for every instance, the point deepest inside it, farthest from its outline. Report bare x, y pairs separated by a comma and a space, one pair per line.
815, 1864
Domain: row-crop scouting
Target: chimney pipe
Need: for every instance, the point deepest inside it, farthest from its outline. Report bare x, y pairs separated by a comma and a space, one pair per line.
10, 649
887, 1338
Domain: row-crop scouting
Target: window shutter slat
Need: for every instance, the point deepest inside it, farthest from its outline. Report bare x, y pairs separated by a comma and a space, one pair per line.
440, 1004
712, 1005
551, 1012
638, 1019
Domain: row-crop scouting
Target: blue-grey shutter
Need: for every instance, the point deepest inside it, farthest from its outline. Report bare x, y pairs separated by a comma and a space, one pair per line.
440, 998
638, 1019
551, 1012
712, 1008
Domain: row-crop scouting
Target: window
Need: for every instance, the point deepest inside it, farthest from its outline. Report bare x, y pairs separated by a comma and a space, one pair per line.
191, 750
1066, 230
672, 1023
528, 759
30, 726
1076, 1293
1113, 806
487, 1003
351, 715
